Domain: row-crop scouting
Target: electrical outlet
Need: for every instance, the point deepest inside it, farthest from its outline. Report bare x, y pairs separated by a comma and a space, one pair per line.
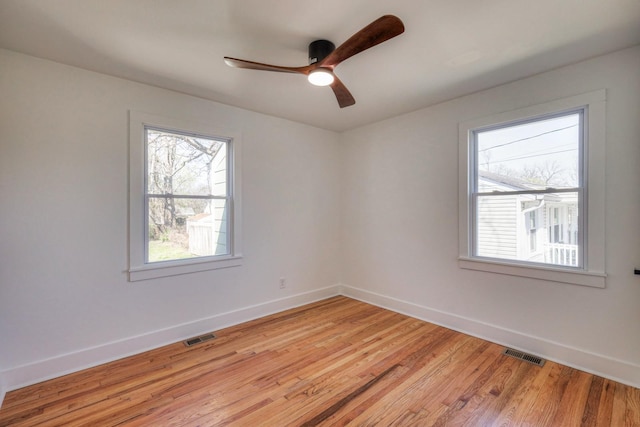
283, 283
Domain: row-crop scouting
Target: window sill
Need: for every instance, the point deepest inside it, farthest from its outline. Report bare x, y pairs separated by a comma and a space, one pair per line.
574, 277
175, 268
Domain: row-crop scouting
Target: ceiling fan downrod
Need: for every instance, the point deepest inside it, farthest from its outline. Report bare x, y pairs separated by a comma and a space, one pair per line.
319, 49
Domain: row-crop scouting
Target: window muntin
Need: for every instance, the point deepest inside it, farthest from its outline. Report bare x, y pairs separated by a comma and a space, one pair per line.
187, 195
528, 175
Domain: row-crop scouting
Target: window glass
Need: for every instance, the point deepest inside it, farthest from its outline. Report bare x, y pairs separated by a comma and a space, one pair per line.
535, 154
187, 184
527, 175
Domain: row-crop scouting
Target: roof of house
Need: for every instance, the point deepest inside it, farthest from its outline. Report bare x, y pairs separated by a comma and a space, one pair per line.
510, 181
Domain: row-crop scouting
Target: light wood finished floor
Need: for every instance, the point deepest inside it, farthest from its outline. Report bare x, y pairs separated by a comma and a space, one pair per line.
334, 362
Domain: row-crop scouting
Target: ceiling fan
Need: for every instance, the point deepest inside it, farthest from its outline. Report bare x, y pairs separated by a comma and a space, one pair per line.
324, 57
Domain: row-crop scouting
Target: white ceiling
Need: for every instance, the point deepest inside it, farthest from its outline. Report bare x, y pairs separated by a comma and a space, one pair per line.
449, 48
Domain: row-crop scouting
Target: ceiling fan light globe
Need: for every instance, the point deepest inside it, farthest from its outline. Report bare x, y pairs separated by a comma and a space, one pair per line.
320, 77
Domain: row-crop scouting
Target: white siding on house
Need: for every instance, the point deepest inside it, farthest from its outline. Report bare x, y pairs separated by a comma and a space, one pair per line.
220, 207
497, 227
209, 235
219, 175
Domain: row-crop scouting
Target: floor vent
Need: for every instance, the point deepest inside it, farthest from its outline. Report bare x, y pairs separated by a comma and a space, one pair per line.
524, 356
198, 340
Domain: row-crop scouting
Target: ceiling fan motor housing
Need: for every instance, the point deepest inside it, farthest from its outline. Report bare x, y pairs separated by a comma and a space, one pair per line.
319, 49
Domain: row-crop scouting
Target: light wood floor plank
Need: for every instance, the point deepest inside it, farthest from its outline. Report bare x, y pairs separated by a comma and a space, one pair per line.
335, 362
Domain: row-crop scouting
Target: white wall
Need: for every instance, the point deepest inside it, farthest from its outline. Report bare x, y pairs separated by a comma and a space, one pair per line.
400, 203
65, 301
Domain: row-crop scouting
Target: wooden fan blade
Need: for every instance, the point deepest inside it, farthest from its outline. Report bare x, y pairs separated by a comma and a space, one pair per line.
343, 95
380, 30
242, 63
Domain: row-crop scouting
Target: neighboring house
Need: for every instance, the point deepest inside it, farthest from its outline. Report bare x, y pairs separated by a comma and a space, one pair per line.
207, 234
528, 227
208, 231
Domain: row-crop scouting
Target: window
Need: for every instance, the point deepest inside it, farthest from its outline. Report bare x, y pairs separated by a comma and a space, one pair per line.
519, 168
183, 197
532, 192
532, 230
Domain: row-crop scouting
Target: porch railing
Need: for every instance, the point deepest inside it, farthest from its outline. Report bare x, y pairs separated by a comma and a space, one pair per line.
561, 254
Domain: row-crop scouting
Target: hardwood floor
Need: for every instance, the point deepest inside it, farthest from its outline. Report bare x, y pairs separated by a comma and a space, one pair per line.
334, 362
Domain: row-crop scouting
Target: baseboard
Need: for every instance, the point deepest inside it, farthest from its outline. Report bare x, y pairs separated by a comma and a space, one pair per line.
21, 376
597, 364
3, 389
43, 370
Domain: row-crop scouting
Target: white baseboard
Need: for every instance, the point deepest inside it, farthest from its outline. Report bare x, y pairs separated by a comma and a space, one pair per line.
32, 373
597, 364
3, 389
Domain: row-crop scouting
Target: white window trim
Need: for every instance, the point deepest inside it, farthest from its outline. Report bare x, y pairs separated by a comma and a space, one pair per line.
138, 268
593, 271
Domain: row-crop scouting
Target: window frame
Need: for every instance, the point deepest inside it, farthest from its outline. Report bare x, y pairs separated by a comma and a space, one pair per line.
139, 267
592, 270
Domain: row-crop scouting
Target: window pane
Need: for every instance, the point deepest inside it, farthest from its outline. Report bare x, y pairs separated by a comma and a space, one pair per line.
187, 228
539, 228
535, 155
208, 233
185, 164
